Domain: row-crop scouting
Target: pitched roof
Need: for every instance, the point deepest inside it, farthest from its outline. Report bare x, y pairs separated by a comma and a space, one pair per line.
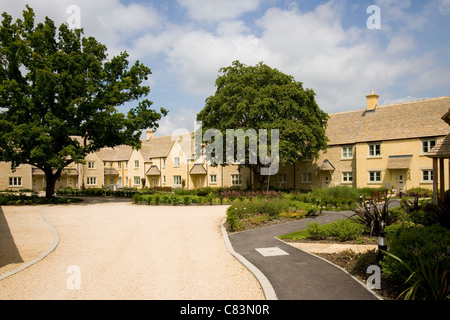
416, 119
153, 171
157, 147
118, 153
198, 169
326, 166
111, 172
399, 162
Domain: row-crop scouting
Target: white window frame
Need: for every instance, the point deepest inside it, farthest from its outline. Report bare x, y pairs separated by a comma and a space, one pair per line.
236, 179
428, 174
347, 177
177, 180
373, 150
376, 175
91, 165
306, 177
15, 181
176, 161
427, 145
91, 181
119, 165
136, 164
138, 179
164, 162
347, 152
213, 178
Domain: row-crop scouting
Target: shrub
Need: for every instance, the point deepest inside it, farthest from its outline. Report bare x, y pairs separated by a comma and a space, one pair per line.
137, 198
335, 198
10, 199
440, 213
234, 219
409, 243
344, 230
372, 217
419, 192
315, 231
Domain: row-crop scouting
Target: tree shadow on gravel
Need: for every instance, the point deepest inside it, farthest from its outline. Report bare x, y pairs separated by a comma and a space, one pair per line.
8, 249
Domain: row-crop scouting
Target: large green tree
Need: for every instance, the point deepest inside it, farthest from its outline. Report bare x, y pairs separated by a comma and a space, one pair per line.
59, 95
259, 97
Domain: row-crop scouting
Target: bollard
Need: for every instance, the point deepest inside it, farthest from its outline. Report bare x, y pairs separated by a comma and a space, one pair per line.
382, 244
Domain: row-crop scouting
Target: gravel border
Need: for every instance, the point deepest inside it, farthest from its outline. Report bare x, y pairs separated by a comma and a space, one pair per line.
49, 250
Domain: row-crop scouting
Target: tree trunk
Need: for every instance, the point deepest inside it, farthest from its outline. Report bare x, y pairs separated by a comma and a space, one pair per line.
261, 179
51, 179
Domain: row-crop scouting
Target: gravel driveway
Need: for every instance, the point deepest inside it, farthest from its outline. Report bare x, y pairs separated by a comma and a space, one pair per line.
119, 250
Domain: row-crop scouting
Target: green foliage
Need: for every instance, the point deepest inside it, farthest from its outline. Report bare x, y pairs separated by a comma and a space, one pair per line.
427, 281
419, 192
260, 97
17, 200
344, 230
96, 192
440, 213
262, 210
341, 230
56, 84
373, 217
430, 244
315, 232
340, 198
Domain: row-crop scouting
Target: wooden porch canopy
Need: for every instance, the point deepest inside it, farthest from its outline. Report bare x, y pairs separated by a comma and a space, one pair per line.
111, 172
153, 171
439, 153
198, 169
326, 166
399, 162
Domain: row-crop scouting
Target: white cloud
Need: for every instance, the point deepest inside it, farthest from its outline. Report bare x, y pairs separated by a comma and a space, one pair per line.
109, 21
182, 120
128, 20
215, 10
396, 15
197, 56
340, 63
444, 6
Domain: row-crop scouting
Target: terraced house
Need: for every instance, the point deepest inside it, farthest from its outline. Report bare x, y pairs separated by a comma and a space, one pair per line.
379, 146
376, 146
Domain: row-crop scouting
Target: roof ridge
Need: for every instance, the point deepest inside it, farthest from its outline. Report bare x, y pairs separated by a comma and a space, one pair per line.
393, 104
414, 101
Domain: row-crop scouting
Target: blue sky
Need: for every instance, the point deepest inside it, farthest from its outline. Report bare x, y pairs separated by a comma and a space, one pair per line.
324, 44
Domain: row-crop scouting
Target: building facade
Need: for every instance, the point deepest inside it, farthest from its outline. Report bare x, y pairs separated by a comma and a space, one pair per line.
379, 146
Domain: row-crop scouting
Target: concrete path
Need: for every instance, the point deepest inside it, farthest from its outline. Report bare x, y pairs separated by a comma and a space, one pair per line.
295, 274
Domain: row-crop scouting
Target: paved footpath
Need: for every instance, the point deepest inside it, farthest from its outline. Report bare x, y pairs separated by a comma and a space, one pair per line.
295, 274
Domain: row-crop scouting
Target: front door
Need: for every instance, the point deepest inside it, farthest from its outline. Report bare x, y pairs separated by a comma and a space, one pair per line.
326, 179
400, 181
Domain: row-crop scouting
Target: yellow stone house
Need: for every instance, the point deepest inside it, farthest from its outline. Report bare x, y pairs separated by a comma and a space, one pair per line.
376, 146
379, 146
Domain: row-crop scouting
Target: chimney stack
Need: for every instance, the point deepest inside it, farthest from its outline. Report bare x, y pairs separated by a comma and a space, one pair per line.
372, 101
149, 135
